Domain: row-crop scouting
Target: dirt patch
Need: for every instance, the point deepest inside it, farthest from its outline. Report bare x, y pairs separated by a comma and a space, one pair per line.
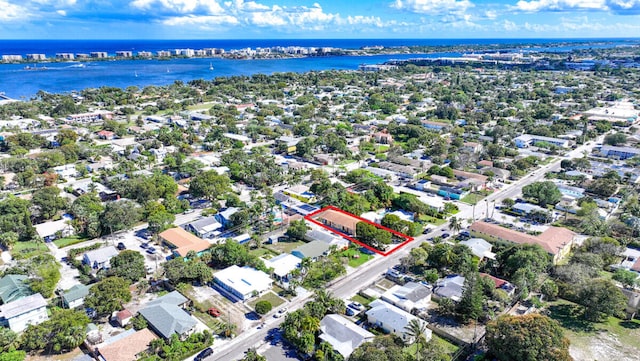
601, 346
63, 357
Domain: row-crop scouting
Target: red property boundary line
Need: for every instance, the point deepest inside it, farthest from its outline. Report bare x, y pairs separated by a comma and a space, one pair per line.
309, 217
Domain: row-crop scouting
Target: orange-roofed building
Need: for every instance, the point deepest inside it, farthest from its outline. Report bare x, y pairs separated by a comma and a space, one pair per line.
338, 220
555, 240
182, 242
127, 348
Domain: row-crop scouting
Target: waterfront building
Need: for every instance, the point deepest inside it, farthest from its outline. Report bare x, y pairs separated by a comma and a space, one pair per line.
99, 54
9, 58
124, 54
65, 56
36, 57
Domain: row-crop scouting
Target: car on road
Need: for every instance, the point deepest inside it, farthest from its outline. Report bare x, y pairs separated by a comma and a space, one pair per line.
445, 235
214, 312
190, 210
280, 312
203, 354
121, 246
427, 230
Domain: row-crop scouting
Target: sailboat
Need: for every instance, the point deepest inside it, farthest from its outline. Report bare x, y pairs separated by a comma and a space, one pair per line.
168, 70
135, 73
210, 66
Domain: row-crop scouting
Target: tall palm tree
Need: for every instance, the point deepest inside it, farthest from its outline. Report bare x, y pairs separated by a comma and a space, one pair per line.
455, 224
416, 331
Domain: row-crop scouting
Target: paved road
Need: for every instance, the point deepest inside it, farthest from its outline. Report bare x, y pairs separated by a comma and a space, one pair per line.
372, 270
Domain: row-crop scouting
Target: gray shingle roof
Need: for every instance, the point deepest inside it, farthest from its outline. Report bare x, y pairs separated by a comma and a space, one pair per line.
14, 287
173, 298
75, 293
21, 306
413, 291
312, 249
343, 335
167, 319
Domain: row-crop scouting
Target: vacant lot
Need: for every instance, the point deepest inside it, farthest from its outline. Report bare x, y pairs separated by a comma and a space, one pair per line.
613, 339
25, 250
274, 299
287, 246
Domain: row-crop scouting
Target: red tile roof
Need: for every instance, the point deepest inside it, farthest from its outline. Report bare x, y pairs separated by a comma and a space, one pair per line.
128, 347
184, 241
552, 240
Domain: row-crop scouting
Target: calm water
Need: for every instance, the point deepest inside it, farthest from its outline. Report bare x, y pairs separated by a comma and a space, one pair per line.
16, 82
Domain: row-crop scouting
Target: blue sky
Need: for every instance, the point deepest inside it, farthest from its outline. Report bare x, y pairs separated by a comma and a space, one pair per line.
241, 19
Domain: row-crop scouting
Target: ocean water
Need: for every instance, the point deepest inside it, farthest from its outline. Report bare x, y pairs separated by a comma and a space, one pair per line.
18, 83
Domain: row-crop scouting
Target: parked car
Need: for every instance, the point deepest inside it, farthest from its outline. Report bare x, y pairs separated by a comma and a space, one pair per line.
151, 250
203, 354
214, 312
121, 246
144, 245
280, 312
445, 235
190, 210
356, 306
350, 311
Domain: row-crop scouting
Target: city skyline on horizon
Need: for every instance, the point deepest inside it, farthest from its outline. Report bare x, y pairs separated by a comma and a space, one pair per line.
322, 19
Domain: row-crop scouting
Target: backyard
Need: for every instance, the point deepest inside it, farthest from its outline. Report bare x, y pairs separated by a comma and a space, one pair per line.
68, 241
29, 249
432, 220
285, 247
613, 339
271, 297
356, 257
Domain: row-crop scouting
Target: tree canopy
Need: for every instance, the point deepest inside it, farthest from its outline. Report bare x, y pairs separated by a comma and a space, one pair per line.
108, 295
531, 337
543, 192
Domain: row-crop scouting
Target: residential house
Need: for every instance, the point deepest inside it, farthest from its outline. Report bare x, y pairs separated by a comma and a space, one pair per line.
312, 250
49, 230
382, 137
282, 266
409, 297
501, 284
288, 143
438, 126
182, 242
343, 335
633, 301
450, 287
339, 221
224, 217
126, 346
479, 248
74, 297
331, 239
621, 153
496, 173
472, 147
122, 318
238, 138
99, 258
555, 240
14, 287
106, 134
392, 319
66, 170
301, 193
475, 178
243, 282
165, 316
526, 140
575, 192
207, 227
18, 314
527, 208
630, 260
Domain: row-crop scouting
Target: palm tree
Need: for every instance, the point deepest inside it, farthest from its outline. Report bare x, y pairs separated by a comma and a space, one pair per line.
416, 331
455, 224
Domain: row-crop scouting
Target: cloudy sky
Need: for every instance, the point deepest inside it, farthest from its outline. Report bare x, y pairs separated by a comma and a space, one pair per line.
240, 19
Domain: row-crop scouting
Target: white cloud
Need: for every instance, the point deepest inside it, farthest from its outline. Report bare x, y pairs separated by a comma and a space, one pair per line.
181, 6
62, 12
267, 19
508, 25
560, 5
203, 21
12, 12
490, 14
432, 7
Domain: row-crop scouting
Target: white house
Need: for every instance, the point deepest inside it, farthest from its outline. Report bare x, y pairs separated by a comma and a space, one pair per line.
392, 319
243, 282
283, 265
408, 297
99, 258
74, 297
30, 310
343, 335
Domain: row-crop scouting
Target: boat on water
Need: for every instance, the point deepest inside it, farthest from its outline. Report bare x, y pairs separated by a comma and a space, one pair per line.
135, 73
35, 67
210, 66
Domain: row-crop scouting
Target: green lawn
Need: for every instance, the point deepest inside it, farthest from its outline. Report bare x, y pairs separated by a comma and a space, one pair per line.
362, 300
262, 252
472, 198
274, 299
357, 261
446, 345
286, 246
382, 148
213, 323
68, 241
432, 220
584, 334
25, 250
